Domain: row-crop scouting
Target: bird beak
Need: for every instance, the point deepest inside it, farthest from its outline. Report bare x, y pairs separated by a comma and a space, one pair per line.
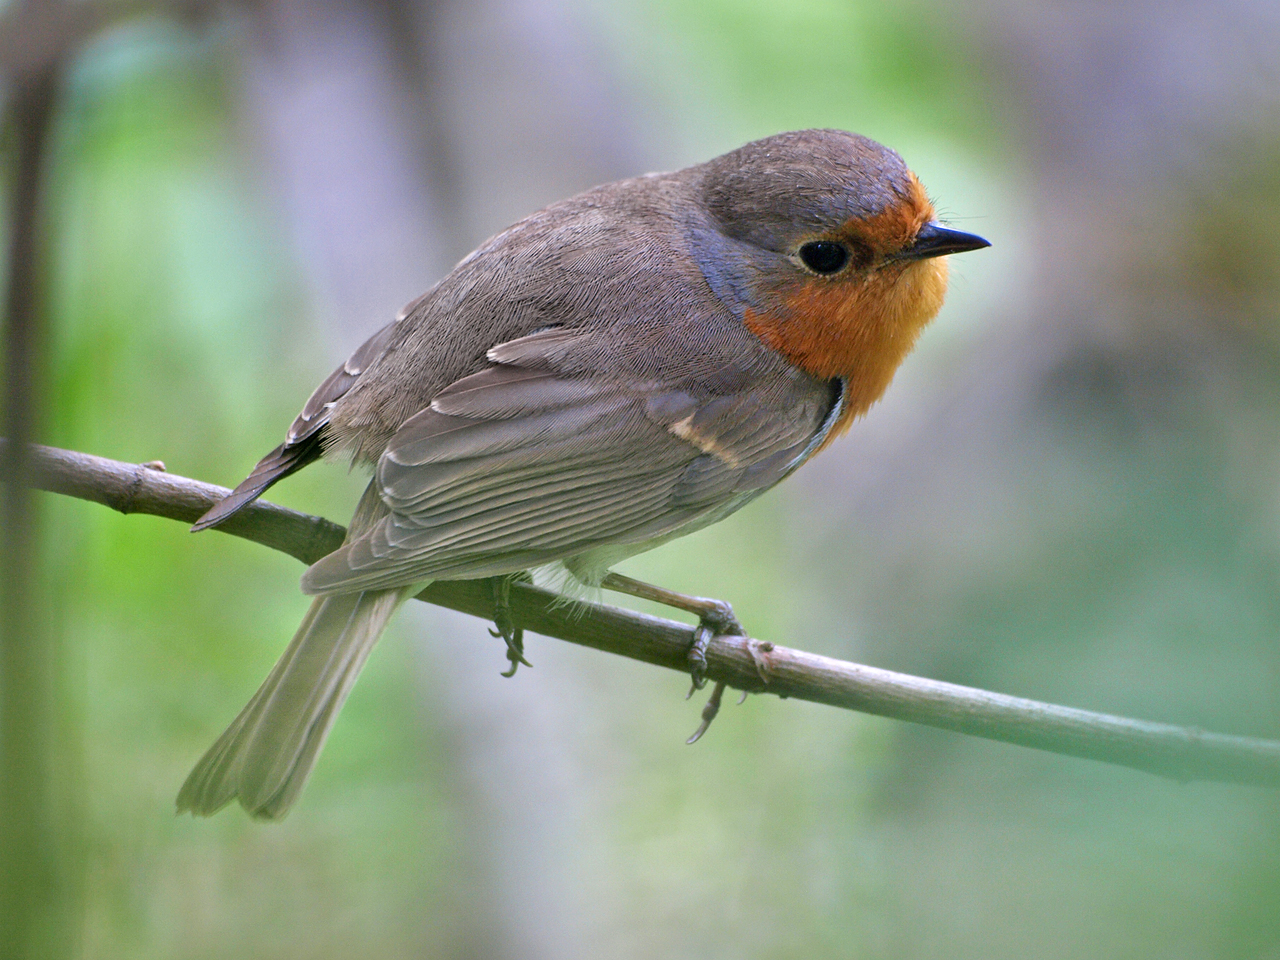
935, 240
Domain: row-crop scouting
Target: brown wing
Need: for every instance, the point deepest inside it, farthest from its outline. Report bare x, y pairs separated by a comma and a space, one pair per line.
520, 465
304, 442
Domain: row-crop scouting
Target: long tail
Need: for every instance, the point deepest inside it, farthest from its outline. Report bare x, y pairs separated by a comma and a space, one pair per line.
265, 756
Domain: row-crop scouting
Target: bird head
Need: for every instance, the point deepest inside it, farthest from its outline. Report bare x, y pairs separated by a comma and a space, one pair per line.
828, 247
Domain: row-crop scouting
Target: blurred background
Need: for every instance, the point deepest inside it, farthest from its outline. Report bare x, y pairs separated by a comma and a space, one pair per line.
1071, 492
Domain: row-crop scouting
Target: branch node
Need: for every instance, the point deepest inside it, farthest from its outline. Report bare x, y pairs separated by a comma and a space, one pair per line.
760, 650
139, 478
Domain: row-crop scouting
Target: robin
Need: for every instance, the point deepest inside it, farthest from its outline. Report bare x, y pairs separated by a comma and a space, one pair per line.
616, 370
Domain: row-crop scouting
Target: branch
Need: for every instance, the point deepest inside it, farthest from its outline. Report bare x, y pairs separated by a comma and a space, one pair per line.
1181, 753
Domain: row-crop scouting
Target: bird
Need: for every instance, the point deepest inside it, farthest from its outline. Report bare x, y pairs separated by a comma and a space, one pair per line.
618, 369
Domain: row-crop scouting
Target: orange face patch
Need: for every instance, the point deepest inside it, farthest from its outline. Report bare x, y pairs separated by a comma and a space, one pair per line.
894, 227
862, 324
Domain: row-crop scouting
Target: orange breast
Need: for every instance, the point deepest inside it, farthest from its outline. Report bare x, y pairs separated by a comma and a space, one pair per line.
861, 330
863, 325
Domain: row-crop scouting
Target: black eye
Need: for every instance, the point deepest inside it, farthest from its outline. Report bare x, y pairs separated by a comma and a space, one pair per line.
824, 256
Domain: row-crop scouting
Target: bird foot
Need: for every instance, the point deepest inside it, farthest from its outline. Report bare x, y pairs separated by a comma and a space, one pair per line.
759, 651
506, 624
715, 619
708, 712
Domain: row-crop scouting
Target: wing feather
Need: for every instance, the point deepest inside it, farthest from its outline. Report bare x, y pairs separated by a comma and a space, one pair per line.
304, 442
525, 463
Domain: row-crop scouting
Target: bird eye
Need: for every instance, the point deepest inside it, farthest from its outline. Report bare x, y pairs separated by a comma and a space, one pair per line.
824, 256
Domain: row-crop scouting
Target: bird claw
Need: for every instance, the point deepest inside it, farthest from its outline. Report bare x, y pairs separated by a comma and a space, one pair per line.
697, 658
708, 712
506, 625
717, 620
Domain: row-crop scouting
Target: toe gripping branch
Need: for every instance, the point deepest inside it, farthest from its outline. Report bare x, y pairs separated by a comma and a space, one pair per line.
506, 624
715, 619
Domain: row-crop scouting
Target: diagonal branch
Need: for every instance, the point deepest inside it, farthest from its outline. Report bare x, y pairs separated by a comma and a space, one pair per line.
1181, 753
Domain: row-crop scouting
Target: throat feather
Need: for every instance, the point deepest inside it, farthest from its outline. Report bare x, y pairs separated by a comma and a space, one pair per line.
861, 331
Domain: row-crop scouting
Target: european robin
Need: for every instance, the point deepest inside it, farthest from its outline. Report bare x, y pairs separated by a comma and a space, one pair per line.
616, 370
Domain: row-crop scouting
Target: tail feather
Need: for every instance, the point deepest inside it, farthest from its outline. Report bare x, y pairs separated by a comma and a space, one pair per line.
266, 754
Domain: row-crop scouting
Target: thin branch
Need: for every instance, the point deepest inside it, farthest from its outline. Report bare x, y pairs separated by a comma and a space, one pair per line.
1181, 753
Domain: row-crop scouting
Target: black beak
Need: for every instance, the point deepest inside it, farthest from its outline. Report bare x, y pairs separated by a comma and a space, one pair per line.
935, 240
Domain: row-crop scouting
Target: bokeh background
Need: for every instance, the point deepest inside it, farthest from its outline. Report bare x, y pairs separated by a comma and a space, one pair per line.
1072, 491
